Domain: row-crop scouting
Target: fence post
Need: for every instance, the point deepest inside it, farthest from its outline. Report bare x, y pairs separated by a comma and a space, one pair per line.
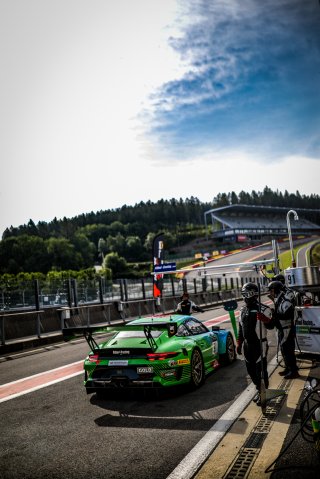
125, 290
69, 295
195, 285
75, 291
172, 285
184, 284
36, 294
143, 289
37, 303
121, 290
100, 290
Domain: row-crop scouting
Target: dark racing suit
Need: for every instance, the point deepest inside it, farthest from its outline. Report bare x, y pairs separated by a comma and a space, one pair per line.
284, 321
250, 329
186, 307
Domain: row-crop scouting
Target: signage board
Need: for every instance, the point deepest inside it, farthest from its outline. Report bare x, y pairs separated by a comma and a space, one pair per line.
161, 268
308, 328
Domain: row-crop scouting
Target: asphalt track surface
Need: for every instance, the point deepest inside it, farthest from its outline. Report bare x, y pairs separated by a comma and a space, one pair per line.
51, 428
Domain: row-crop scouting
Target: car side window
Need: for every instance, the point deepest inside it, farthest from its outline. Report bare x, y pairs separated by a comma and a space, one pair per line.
182, 331
195, 327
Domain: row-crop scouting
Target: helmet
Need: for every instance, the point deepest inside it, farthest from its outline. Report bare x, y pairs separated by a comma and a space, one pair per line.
277, 286
249, 290
279, 277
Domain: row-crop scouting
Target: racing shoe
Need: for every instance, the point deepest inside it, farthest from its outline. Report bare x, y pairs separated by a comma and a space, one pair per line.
258, 401
284, 372
256, 397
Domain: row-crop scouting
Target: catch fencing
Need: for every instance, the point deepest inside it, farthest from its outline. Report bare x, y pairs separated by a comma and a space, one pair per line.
47, 307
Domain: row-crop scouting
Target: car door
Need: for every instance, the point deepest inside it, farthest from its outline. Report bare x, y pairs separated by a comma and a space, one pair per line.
205, 340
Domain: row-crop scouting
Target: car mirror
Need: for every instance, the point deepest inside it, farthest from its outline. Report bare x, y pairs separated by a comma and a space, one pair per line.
172, 329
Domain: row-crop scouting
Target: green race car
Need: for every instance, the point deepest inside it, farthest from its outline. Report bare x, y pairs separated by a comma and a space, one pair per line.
154, 352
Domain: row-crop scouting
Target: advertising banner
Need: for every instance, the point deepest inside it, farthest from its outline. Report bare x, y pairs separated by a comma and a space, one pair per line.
308, 328
158, 259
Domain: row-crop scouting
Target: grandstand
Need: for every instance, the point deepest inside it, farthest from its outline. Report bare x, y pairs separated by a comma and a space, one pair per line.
248, 222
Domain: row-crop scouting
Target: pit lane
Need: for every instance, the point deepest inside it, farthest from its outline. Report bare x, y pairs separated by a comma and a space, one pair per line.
59, 431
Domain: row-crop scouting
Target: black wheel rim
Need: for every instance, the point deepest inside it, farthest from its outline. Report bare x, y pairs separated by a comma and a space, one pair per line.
197, 368
230, 349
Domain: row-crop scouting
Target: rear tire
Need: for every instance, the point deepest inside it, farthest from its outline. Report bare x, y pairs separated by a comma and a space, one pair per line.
197, 370
230, 355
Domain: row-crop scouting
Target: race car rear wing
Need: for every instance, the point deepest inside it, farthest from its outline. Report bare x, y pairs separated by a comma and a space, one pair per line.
146, 326
86, 331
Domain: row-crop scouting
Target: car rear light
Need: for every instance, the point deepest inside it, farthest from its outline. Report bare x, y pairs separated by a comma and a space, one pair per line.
161, 356
93, 358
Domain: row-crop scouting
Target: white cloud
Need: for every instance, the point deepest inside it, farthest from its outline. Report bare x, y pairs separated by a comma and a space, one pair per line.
79, 90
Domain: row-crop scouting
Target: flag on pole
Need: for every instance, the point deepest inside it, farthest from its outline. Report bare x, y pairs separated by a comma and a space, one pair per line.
158, 259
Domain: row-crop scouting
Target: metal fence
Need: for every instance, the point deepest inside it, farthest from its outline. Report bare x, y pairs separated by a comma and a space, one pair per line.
71, 292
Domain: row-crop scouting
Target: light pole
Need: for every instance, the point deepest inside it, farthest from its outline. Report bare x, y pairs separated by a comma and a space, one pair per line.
295, 217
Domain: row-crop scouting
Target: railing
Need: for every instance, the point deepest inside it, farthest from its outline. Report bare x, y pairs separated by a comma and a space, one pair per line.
134, 299
36, 294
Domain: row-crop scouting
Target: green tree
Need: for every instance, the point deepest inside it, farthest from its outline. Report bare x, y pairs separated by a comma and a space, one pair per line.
23, 254
62, 254
116, 244
85, 248
116, 264
134, 248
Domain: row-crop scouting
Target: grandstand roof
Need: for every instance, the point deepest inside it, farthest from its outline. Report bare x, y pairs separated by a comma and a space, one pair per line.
259, 220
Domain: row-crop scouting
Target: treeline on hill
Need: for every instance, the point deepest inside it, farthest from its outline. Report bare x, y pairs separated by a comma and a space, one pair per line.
121, 236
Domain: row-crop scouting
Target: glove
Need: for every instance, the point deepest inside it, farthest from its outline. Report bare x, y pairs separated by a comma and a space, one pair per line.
263, 318
239, 348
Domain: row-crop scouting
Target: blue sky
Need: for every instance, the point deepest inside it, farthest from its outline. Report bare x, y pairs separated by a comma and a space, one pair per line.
113, 102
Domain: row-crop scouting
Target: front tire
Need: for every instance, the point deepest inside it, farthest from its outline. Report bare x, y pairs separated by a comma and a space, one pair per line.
197, 369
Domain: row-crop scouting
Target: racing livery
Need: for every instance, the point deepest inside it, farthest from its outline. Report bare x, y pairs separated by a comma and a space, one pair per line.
153, 352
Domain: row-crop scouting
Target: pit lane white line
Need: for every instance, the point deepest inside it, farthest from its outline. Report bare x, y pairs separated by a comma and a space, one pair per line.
193, 461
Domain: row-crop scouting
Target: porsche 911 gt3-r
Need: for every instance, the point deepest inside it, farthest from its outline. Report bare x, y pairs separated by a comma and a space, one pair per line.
154, 352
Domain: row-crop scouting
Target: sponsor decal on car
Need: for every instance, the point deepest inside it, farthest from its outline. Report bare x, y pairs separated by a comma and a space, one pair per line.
172, 363
168, 374
184, 361
118, 362
144, 369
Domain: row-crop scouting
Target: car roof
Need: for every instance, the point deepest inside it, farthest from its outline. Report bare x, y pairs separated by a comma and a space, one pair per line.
159, 319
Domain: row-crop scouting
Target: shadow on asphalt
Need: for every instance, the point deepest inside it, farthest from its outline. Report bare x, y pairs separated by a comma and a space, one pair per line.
179, 407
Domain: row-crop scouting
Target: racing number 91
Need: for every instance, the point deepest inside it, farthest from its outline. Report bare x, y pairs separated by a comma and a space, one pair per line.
291, 279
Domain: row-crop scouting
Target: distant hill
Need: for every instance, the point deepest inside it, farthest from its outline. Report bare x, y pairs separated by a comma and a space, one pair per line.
79, 242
